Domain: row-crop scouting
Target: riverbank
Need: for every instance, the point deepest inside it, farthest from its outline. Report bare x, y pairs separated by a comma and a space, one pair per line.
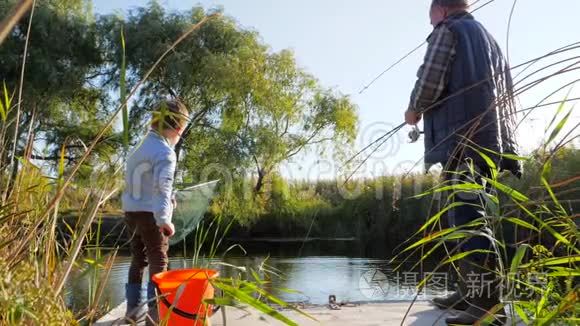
388, 313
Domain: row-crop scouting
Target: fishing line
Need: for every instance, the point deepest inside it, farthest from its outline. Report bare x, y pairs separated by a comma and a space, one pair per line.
379, 76
397, 128
387, 136
566, 48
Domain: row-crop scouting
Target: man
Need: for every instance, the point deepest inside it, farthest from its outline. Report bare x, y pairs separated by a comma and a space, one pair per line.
463, 92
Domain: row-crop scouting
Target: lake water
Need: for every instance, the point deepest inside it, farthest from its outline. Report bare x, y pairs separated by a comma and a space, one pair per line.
340, 271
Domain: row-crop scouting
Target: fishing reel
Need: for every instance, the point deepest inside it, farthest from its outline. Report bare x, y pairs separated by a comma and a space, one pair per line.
414, 134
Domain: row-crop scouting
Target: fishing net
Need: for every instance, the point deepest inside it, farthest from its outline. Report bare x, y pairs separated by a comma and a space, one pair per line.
192, 203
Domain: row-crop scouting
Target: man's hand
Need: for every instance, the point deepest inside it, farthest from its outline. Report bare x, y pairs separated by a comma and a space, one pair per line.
412, 118
167, 229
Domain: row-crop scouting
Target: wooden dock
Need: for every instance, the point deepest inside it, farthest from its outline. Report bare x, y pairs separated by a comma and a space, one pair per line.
368, 314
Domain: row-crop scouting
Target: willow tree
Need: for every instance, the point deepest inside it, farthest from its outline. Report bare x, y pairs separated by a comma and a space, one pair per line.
59, 107
251, 109
284, 113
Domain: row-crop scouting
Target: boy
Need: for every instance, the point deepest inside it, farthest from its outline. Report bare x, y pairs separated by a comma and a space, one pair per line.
148, 204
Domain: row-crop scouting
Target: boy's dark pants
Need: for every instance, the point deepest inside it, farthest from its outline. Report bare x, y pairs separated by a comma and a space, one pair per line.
148, 246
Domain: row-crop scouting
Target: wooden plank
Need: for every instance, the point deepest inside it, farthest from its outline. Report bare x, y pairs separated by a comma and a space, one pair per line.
369, 314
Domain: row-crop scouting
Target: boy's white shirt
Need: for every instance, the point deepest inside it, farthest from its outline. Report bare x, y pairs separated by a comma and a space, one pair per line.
149, 178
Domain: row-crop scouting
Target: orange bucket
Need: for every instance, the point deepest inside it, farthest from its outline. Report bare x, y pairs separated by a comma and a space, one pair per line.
191, 287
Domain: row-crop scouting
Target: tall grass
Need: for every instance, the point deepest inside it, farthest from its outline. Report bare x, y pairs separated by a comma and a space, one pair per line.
376, 214
379, 214
539, 258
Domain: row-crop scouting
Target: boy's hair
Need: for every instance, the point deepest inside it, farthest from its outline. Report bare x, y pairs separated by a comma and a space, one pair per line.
454, 4
172, 114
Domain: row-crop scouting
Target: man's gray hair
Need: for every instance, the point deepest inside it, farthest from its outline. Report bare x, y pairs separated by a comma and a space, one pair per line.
451, 3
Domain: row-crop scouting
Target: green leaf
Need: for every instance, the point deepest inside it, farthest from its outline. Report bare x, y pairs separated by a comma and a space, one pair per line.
490, 163
561, 209
544, 179
489, 318
61, 164
543, 301
123, 92
508, 156
423, 258
430, 238
7, 99
5, 106
464, 254
2, 112
569, 302
280, 302
558, 111
462, 186
491, 204
520, 311
545, 225
517, 260
256, 276
437, 216
446, 234
564, 272
559, 127
514, 157
289, 291
522, 223
547, 169
555, 261
246, 298
221, 302
514, 194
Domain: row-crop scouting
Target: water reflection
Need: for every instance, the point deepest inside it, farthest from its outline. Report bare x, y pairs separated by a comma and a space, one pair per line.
316, 277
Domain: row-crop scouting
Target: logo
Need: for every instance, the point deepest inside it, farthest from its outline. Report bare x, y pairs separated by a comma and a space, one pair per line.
373, 284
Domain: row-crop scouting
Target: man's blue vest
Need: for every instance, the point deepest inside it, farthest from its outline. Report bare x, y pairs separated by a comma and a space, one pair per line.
468, 108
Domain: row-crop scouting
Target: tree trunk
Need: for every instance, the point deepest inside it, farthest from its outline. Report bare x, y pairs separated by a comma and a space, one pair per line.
179, 145
186, 132
260, 181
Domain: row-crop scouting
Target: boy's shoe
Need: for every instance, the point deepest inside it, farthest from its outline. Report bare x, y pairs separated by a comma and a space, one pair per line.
135, 310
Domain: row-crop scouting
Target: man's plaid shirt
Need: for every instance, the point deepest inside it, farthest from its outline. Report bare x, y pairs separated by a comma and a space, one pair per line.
434, 73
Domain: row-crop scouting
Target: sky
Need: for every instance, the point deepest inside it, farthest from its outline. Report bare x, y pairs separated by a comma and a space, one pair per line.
347, 43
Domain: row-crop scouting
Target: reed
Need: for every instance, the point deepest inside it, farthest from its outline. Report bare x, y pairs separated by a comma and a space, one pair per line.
539, 258
37, 268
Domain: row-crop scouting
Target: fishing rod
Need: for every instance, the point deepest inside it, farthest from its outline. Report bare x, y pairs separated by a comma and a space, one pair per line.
383, 139
379, 76
414, 134
387, 134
